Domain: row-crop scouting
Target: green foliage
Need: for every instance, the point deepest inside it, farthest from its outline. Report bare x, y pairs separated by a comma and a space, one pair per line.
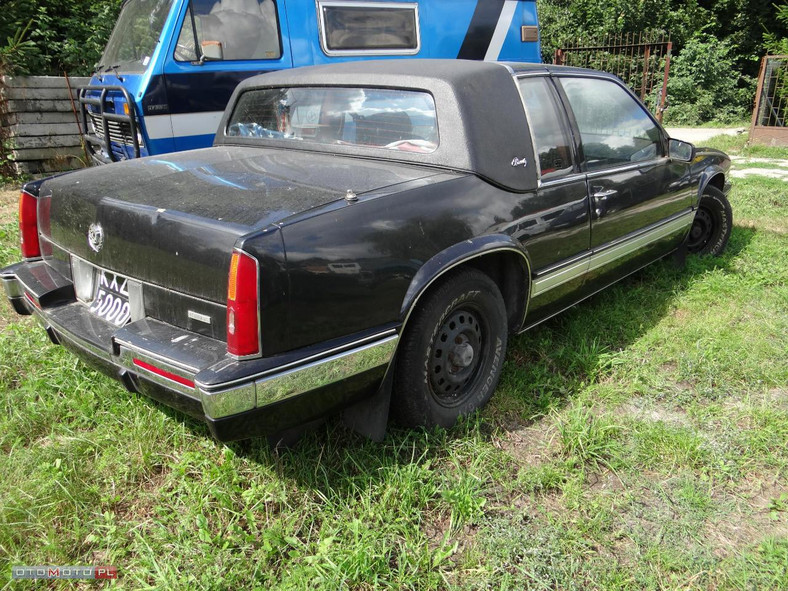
775, 44
705, 85
733, 33
47, 37
17, 47
564, 21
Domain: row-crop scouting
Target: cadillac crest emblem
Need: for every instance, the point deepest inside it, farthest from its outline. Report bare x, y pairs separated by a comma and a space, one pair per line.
95, 237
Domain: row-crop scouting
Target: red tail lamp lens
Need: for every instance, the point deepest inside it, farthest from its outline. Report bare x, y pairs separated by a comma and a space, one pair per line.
243, 326
28, 225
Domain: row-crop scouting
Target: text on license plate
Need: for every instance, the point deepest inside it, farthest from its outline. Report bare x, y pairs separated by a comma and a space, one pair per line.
111, 298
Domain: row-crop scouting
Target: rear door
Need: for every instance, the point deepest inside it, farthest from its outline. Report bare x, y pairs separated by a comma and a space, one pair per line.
640, 208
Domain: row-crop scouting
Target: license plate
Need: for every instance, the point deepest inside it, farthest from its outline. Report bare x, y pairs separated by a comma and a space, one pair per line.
111, 298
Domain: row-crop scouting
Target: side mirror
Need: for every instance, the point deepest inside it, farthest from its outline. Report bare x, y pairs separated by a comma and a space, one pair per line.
212, 51
683, 151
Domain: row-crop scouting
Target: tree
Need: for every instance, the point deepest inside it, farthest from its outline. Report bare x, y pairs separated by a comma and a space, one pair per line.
717, 44
777, 43
51, 36
706, 85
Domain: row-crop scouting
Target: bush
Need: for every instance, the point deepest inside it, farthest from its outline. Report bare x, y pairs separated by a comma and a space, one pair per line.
705, 84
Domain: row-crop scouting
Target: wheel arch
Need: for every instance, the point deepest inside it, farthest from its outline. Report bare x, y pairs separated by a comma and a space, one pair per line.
498, 256
713, 176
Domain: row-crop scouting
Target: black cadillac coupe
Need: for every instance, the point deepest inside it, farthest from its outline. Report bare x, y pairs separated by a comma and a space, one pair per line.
362, 237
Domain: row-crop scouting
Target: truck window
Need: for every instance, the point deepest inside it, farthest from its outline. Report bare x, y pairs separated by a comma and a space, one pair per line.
229, 30
368, 27
134, 37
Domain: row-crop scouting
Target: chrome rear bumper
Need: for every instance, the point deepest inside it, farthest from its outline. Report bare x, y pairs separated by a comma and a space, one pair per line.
189, 367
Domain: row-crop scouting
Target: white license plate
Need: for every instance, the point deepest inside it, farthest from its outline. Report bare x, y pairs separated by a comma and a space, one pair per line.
111, 298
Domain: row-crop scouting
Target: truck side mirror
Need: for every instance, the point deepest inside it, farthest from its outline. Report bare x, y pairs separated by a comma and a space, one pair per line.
212, 51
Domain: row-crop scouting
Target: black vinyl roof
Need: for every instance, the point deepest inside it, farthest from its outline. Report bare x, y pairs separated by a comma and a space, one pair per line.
481, 120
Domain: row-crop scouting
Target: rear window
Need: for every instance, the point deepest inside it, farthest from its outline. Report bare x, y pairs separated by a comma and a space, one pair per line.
371, 117
369, 27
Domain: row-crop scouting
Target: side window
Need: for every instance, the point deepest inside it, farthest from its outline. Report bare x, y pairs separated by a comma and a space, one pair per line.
614, 127
547, 128
369, 27
229, 30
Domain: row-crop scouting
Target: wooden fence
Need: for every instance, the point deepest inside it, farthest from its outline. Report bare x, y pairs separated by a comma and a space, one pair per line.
38, 127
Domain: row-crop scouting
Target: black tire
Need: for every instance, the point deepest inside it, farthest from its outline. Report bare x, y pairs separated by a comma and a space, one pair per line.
450, 357
712, 225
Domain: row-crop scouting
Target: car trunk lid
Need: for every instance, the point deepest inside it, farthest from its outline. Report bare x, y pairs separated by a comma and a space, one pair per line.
173, 220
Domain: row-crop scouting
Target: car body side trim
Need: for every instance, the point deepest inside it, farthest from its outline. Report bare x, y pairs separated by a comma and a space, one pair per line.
622, 249
325, 371
560, 276
610, 253
626, 167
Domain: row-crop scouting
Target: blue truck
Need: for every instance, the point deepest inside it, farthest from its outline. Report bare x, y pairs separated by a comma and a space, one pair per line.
170, 66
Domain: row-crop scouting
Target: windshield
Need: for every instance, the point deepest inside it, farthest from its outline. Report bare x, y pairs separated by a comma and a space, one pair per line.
135, 35
373, 117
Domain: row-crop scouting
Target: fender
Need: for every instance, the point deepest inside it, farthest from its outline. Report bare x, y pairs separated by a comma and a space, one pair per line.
458, 254
705, 178
707, 164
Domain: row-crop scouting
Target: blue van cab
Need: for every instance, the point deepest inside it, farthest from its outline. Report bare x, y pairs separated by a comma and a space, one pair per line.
170, 66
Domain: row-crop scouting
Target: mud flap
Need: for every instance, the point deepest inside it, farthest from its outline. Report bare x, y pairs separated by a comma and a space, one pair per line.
371, 416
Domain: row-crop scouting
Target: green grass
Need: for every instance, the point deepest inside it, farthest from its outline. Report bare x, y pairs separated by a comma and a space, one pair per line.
738, 145
638, 441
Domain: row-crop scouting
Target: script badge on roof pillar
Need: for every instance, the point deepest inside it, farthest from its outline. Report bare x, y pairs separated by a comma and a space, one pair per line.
96, 237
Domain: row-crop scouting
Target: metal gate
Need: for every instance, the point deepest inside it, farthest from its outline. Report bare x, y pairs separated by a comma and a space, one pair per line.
770, 116
642, 63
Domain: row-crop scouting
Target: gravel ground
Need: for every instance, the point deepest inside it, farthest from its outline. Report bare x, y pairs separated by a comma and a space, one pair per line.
694, 135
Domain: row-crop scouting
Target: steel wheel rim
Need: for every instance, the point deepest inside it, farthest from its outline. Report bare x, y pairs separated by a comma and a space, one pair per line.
455, 357
701, 231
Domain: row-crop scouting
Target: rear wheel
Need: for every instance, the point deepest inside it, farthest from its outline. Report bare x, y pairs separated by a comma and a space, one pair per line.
451, 354
711, 227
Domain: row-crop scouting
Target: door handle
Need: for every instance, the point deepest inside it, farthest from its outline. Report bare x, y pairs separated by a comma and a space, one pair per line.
600, 197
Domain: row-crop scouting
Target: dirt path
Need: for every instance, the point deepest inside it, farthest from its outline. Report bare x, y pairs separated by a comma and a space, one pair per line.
694, 135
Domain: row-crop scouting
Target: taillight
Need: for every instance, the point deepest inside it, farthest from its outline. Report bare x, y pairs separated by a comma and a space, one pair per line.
243, 325
28, 225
